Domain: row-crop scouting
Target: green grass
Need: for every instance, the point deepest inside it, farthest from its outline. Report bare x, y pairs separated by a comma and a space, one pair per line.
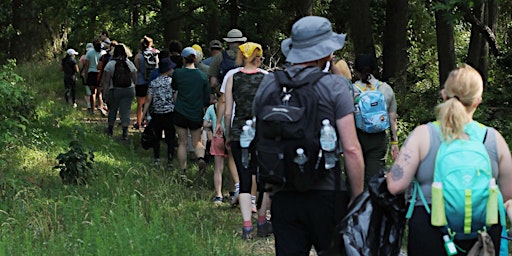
129, 207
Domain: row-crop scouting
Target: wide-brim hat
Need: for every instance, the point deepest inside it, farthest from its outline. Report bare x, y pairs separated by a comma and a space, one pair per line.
165, 65
312, 39
235, 35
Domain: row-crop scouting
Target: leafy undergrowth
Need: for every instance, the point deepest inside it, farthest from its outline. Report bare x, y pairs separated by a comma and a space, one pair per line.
127, 207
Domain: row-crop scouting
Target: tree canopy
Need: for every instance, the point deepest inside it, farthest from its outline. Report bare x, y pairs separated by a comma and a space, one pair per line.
416, 42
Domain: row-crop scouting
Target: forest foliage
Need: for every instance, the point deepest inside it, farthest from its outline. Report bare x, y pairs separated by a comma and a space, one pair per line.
416, 42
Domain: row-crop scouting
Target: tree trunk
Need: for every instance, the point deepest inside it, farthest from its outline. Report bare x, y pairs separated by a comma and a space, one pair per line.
135, 14
213, 21
483, 63
234, 13
492, 23
16, 47
303, 8
360, 25
445, 46
171, 26
475, 42
395, 44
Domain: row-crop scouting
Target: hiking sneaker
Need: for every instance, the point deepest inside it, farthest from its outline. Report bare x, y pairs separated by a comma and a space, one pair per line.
135, 126
102, 111
156, 162
202, 166
125, 136
247, 233
265, 229
217, 200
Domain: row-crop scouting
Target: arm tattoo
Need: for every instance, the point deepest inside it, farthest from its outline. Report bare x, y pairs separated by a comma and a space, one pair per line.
397, 172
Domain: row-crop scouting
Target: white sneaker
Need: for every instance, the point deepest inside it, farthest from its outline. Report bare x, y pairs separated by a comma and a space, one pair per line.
75, 105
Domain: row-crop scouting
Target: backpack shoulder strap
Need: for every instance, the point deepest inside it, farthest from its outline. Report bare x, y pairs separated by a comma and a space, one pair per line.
377, 85
476, 131
412, 203
359, 86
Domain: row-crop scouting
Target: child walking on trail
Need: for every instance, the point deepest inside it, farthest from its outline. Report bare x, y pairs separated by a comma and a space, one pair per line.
160, 96
217, 148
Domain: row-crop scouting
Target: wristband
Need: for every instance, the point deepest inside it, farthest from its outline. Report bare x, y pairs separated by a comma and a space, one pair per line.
394, 143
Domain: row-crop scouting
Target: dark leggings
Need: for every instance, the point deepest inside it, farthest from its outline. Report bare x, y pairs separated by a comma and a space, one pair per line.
425, 239
70, 86
375, 147
159, 123
244, 174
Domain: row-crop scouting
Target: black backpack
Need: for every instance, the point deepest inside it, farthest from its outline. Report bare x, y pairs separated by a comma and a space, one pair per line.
288, 119
122, 75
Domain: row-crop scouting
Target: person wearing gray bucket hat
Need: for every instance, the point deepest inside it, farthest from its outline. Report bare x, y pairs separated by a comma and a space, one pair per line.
302, 219
312, 38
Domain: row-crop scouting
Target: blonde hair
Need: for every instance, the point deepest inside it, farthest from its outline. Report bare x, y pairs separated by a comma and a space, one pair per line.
463, 87
241, 59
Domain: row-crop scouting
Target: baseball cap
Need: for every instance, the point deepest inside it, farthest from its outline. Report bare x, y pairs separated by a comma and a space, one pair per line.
71, 52
188, 51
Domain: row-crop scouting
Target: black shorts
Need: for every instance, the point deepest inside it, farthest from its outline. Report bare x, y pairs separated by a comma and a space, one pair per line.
303, 219
425, 239
182, 122
141, 90
92, 79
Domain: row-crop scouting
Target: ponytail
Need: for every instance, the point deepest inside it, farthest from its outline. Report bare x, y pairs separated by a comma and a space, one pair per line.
452, 116
462, 89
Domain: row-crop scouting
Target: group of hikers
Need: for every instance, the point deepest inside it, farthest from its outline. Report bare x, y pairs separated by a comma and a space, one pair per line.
284, 131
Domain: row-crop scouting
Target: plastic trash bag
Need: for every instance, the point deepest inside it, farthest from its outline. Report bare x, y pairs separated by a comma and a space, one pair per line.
148, 137
375, 222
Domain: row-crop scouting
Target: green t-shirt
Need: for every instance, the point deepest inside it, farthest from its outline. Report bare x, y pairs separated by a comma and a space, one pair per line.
193, 93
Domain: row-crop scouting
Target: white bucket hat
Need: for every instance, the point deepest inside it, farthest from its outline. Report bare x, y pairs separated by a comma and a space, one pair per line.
312, 39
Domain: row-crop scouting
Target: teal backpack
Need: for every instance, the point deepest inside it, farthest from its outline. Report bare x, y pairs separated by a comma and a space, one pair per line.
371, 110
465, 196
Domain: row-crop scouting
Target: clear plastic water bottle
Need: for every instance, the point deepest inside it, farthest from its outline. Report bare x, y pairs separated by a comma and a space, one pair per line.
328, 142
252, 130
300, 159
245, 141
